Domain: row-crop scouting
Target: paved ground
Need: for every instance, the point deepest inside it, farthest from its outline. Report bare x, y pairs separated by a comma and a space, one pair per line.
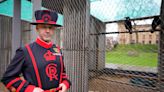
109, 83
133, 68
115, 84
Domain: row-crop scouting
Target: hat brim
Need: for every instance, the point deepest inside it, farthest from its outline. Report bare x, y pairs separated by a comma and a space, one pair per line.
35, 23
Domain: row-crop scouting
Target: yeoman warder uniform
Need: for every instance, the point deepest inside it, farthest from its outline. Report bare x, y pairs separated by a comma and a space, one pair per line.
40, 63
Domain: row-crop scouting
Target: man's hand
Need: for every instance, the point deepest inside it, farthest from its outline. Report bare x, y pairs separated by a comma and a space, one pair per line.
37, 89
63, 87
12, 89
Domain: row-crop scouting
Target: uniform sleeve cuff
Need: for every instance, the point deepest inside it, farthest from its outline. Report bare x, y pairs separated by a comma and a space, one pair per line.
66, 83
29, 88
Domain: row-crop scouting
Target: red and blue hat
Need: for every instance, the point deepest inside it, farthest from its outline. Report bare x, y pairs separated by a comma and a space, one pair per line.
46, 17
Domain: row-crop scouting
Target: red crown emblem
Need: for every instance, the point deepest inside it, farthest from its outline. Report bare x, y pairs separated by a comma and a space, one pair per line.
49, 56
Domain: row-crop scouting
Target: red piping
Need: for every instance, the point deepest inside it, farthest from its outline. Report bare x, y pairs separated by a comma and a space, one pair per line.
12, 82
20, 86
34, 65
43, 44
61, 66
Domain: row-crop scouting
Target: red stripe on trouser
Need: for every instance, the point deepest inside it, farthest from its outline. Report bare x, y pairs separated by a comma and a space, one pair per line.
35, 66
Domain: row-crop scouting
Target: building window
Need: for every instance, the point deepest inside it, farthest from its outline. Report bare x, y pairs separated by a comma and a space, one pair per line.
156, 41
143, 42
149, 42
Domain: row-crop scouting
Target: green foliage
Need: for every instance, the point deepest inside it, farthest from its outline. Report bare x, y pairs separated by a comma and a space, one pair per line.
142, 55
137, 47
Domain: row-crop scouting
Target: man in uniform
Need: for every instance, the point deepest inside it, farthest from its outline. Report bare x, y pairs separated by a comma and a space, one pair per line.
40, 63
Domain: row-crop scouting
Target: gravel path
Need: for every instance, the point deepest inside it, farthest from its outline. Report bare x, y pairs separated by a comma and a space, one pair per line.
133, 68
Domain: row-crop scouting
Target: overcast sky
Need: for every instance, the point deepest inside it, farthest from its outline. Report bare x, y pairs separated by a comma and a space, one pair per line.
111, 10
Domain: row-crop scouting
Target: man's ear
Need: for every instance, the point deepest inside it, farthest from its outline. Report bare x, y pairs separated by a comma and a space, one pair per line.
36, 27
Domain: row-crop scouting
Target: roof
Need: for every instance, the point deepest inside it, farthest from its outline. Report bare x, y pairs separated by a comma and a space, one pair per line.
113, 10
6, 8
104, 10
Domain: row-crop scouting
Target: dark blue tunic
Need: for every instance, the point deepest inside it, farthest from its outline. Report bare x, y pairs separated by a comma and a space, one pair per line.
41, 66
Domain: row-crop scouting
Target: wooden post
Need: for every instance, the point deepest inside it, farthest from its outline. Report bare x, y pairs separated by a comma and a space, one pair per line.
96, 45
161, 53
5, 42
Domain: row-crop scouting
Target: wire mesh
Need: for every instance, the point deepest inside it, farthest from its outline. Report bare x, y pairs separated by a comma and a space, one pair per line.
100, 56
130, 65
131, 54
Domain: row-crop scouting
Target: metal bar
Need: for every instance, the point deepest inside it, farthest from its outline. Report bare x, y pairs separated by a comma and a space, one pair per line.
161, 53
123, 32
16, 27
133, 75
36, 6
149, 17
118, 74
76, 21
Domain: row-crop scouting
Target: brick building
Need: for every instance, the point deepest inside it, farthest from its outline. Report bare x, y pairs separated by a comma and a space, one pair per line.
142, 38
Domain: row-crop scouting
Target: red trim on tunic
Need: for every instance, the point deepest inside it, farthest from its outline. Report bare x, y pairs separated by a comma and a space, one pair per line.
34, 65
30, 88
64, 75
61, 62
59, 88
61, 75
43, 43
61, 69
66, 83
12, 82
20, 86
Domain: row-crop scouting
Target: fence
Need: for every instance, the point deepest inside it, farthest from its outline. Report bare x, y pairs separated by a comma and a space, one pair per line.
96, 62
5, 40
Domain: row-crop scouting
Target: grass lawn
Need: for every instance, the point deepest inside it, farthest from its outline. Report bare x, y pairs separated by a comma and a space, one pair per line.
136, 54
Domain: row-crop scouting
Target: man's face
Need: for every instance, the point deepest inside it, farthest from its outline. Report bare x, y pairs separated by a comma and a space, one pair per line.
45, 31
